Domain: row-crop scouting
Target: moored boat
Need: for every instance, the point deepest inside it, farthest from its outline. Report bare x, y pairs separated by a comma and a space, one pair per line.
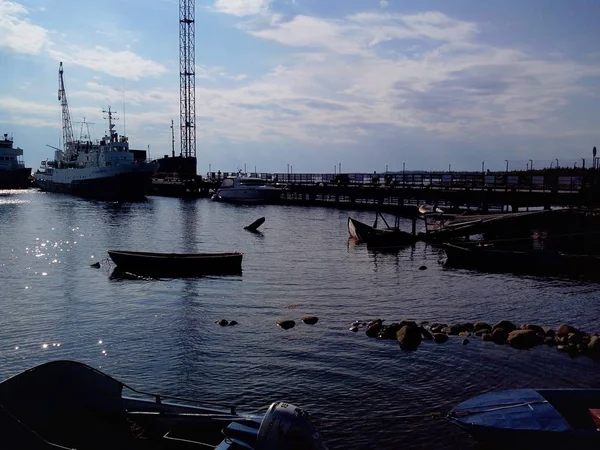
13, 173
532, 261
379, 237
106, 169
70, 405
533, 418
177, 264
244, 189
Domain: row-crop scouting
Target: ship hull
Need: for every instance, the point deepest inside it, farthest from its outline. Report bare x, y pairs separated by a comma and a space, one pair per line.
121, 186
15, 179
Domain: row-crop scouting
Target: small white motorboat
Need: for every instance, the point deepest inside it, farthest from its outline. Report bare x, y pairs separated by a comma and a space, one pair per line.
244, 189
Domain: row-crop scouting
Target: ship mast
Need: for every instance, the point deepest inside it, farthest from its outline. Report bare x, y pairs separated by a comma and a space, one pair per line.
66, 116
111, 126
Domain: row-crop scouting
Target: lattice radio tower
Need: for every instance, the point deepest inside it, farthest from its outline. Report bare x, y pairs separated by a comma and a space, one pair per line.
187, 78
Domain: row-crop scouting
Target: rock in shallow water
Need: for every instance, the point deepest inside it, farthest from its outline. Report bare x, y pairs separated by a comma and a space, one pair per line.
522, 339
440, 338
222, 322
286, 324
310, 320
409, 337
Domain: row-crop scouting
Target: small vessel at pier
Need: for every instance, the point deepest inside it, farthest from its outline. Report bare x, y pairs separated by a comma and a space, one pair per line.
70, 405
533, 418
13, 173
379, 237
244, 189
177, 264
105, 169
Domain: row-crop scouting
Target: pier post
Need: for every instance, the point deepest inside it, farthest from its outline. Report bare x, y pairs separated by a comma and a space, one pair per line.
414, 226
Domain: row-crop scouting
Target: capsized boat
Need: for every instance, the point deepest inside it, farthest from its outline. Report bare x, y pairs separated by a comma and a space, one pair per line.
70, 405
533, 418
177, 264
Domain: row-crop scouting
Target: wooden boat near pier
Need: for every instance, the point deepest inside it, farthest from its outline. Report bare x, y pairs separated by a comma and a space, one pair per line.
532, 418
486, 257
379, 237
177, 264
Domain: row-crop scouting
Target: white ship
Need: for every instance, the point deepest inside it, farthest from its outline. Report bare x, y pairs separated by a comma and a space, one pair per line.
244, 189
104, 169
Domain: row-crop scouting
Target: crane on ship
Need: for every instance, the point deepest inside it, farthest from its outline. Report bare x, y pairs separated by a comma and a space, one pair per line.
67, 127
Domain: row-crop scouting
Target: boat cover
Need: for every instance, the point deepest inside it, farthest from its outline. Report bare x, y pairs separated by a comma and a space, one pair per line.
519, 409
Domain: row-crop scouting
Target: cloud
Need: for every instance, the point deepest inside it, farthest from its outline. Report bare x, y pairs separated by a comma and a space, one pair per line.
242, 7
121, 64
383, 3
212, 73
16, 33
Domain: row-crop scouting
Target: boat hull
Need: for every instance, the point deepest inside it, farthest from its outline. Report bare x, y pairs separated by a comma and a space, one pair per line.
375, 237
248, 196
177, 264
123, 185
15, 178
532, 419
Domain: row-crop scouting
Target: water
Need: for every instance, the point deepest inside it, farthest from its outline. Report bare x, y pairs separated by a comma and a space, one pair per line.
160, 335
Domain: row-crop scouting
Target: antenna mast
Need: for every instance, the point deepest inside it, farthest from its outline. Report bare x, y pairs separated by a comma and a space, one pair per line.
66, 116
172, 140
187, 78
111, 126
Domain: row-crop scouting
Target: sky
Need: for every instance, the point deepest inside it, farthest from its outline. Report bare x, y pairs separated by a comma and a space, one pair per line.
370, 84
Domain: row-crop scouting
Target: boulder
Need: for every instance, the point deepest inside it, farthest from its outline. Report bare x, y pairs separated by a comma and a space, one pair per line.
582, 348
440, 338
374, 329
222, 322
374, 321
506, 325
310, 320
549, 341
464, 334
409, 337
481, 326
286, 324
522, 339
536, 328
353, 329
389, 331
425, 334
565, 330
574, 338
458, 328
550, 333
483, 331
465, 341
437, 327
487, 337
423, 268
409, 323
594, 347
232, 323
499, 335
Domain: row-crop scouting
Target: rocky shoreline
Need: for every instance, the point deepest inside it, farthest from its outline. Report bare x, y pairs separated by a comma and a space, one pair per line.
409, 334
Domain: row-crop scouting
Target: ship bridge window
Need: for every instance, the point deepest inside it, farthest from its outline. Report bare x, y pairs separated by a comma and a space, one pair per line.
227, 183
250, 182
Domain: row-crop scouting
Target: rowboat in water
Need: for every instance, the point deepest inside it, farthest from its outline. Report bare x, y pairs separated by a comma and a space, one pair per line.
378, 237
533, 418
177, 264
70, 405
531, 261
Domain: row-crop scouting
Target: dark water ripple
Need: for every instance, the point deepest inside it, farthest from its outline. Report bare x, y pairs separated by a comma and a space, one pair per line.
161, 334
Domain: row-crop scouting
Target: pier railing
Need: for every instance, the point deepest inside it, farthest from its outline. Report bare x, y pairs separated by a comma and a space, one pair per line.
542, 181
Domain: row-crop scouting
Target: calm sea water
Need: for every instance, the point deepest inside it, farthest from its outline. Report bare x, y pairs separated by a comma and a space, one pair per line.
160, 335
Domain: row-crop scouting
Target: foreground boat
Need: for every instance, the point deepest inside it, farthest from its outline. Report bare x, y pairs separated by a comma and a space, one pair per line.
69, 405
543, 262
378, 237
177, 264
249, 190
533, 419
13, 173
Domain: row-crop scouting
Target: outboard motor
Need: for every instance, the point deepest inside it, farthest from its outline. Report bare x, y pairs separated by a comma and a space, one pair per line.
286, 427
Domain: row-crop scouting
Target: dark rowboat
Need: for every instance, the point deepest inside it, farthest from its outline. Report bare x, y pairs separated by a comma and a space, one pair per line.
533, 418
378, 237
536, 261
69, 405
177, 264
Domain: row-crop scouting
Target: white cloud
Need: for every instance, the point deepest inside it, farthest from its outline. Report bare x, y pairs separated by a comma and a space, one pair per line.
383, 3
242, 7
120, 64
16, 33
